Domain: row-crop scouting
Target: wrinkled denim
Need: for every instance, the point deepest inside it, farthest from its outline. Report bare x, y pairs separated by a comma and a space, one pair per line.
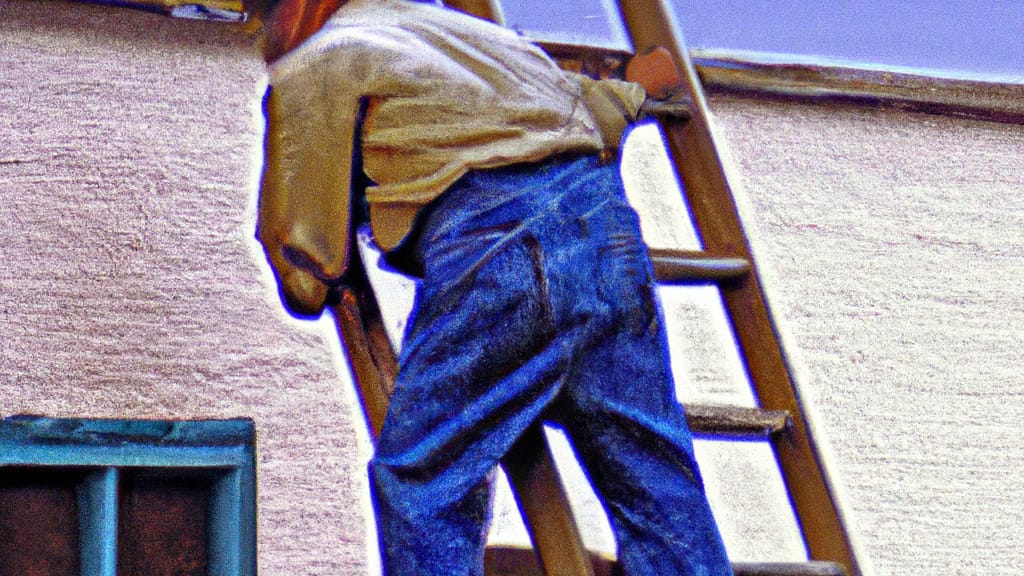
537, 302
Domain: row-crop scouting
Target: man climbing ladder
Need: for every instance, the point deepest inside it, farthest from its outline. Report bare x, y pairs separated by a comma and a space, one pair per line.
490, 179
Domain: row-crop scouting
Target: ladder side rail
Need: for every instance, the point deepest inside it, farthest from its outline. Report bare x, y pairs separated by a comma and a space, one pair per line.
692, 148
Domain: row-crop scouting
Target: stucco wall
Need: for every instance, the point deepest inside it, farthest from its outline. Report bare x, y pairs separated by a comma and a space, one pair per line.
130, 286
893, 247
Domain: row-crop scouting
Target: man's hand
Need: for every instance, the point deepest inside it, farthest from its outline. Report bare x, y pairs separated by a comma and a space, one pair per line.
656, 71
302, 293
678, 107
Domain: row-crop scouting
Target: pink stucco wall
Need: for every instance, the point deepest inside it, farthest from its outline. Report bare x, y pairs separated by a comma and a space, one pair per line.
130, 284
893, 248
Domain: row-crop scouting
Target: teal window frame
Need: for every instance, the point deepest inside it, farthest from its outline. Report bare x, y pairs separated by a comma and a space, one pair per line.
223, 450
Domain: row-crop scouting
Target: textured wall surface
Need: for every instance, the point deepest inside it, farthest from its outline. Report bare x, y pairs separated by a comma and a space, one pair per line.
894, 252
130, 286
130, 283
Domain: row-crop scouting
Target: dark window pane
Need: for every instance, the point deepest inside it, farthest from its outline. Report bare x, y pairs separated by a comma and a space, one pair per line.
163, 524
585, 22
38, 522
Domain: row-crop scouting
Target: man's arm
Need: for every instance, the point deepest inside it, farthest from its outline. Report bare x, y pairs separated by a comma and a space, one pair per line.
304, 206
658, 73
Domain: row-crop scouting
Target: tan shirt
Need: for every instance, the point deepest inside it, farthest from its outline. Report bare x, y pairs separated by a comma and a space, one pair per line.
445, 93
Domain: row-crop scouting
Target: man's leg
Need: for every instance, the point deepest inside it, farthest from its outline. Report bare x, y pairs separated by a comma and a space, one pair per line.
632, 438
519, 292
620, 410
477, 368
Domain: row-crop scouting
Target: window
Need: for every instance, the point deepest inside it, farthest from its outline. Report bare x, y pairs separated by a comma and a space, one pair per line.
105, 497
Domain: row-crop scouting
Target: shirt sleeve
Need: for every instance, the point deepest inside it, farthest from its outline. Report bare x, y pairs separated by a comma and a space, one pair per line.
304, 205
614, 105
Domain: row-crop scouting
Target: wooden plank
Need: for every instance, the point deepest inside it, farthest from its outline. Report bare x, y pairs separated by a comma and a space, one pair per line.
357, 317
686, 266
788, 569
513, 561
692, 146
736, 421
509, 561
541, 497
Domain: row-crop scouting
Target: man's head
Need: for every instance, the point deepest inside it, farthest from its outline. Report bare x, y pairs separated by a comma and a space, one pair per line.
286, 23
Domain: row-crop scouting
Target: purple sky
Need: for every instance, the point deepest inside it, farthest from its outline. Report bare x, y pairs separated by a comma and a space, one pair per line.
983, 37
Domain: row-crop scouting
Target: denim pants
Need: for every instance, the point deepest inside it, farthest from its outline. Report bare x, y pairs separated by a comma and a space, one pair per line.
537, 303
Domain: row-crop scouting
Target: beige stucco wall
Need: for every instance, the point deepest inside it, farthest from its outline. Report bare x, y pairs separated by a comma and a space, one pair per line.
893, 246
130, 283
130, 286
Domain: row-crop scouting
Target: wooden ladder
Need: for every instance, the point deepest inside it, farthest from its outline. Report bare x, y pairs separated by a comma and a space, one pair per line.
726, 261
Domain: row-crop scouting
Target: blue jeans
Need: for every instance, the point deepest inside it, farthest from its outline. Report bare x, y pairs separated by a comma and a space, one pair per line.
537, 303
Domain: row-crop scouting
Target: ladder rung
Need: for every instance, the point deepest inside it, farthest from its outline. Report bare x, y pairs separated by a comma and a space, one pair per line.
789, 569
513, 561
668, 110
736, 421
695, 266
